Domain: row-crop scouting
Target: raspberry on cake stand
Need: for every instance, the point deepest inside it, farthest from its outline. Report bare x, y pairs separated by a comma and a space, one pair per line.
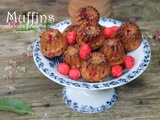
83, 96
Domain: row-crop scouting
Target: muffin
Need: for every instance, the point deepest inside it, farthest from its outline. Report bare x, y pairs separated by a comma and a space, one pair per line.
52, 43
84, 14
114, 51
130, 35
71, 56
90, 33
95, 68
70, 28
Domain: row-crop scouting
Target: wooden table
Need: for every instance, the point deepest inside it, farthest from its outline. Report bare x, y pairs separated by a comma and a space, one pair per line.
137, 100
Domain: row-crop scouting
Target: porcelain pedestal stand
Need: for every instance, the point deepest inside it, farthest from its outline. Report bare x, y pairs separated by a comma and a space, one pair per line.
83, 96
89, 101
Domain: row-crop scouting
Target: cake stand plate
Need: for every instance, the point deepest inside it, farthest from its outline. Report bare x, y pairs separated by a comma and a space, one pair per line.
83, 96
89, 101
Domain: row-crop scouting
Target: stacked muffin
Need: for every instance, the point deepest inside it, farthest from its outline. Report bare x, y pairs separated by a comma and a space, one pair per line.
95, 61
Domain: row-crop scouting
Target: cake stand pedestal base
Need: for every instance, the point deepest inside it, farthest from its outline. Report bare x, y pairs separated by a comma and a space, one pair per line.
89, 101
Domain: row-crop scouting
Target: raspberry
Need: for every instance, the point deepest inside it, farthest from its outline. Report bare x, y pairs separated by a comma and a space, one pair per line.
116, 71
114, 28
63, 68
83, 55
108, 32
74, 73
84, 51
129, 62
71, 37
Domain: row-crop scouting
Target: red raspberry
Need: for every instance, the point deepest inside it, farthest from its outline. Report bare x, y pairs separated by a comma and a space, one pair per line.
129, 62
114, 28
71, 37
108, 32
63, 68
74, 73
117, 71
84, 51
83, 55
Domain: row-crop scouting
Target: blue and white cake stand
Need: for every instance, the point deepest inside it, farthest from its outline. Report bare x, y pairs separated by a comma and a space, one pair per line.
81, 95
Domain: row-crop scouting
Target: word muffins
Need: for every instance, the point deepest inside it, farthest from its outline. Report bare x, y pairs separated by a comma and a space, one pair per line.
89, 50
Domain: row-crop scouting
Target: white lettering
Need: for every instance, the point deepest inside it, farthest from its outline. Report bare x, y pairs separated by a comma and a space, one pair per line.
11, 17
51, 18
23, 19
41, 18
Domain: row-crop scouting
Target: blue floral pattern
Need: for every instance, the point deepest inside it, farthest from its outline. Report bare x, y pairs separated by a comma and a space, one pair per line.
89, 109
49, 66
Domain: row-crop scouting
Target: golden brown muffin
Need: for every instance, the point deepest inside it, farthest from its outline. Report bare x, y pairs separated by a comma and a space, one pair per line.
84, 14
130, 35
71, 56
95, 68
70, 28
90, 33
52, 43
114, 51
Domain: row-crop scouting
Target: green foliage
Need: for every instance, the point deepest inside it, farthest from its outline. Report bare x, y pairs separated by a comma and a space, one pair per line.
15, 105
48, 24
28, 26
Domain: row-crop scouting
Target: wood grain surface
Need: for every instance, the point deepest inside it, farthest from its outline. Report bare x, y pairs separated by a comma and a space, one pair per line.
137, 100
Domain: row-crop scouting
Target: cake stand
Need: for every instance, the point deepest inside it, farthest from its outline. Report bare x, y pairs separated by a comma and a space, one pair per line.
81, 95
